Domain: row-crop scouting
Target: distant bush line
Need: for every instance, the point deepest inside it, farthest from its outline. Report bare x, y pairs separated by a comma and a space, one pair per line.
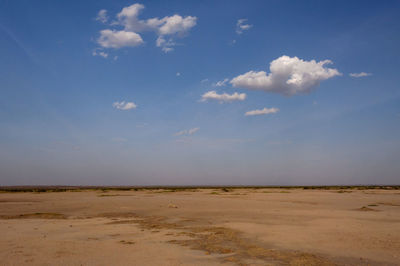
41, 189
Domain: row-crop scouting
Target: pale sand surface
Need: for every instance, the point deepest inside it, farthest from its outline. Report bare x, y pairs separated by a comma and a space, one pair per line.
201, 227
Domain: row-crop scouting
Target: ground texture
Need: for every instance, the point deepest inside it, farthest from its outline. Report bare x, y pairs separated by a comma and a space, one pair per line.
201, 227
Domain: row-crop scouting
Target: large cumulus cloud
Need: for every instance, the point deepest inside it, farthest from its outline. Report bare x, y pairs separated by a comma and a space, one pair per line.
167, 29
288, 76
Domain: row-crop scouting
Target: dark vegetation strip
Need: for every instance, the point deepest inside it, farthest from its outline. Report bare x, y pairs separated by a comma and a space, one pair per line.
219, 240
36, 215
178, 188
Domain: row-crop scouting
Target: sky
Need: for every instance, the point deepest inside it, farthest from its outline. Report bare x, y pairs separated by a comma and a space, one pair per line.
199, 92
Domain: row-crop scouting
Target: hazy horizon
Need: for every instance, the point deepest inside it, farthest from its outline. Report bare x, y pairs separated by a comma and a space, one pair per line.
184, 93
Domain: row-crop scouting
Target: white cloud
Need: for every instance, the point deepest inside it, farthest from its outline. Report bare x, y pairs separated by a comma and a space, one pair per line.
160, 41
101, 53
180, 133
167, 49
193, 130
166, 46
359, 75
128, 17
187, 132
166, 28
118, 39
169, 25
221, 83
288, 76
178, 74
124, 105
264, 111
142, 125
241, 26
176, 24
213, 95
102, 16
204, 80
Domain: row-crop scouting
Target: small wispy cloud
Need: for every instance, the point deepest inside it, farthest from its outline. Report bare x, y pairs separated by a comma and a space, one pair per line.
178, 74
142, 125
264, 111
187, 132
165, 45
102, 16
221, 83
224, 97
101, 53
124, 105
242, 26
204, 80
359, 75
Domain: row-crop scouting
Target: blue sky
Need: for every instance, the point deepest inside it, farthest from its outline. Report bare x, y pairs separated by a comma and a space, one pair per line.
157, 92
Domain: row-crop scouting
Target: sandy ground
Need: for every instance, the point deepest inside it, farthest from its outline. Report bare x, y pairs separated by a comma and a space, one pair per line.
201, 227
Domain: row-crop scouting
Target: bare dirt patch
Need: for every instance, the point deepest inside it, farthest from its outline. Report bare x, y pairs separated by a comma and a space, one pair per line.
240, 226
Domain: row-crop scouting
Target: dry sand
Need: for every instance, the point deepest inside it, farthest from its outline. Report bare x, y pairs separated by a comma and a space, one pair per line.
201, 227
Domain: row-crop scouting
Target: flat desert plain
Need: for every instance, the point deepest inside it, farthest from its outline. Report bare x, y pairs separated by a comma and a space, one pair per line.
242, 226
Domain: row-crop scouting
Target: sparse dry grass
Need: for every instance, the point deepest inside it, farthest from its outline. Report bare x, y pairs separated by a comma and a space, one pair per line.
220, 240
37, 215
344, 191
113, 195
125, 242
367, 209
166, 189
117, 215
389, 204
